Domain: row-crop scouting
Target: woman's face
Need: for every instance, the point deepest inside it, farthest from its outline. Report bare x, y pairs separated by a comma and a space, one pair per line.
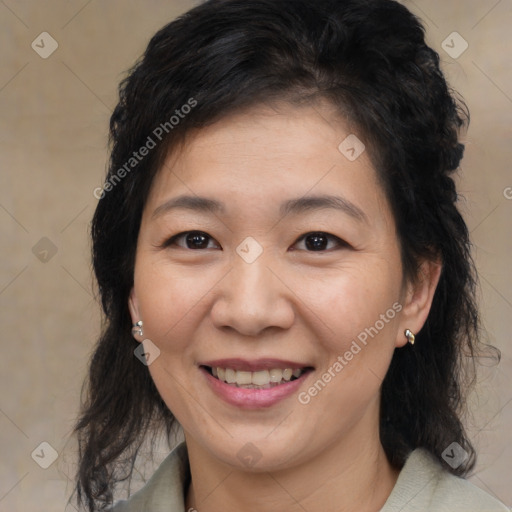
246, 292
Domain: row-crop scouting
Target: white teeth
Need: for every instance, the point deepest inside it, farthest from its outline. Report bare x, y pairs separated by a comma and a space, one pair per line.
276, 375
262, 378
243, 377
230, 376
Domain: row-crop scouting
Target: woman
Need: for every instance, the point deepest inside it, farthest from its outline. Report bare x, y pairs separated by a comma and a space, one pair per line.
283, 269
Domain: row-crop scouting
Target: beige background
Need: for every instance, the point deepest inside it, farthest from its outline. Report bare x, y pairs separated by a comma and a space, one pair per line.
54, 118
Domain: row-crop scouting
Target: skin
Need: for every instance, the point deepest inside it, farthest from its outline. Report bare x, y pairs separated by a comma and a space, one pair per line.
291, 303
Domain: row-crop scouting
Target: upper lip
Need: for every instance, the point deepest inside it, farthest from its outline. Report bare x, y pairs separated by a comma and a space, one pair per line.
255, 365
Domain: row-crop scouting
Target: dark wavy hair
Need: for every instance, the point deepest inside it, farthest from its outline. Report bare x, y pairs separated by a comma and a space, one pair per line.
368, 59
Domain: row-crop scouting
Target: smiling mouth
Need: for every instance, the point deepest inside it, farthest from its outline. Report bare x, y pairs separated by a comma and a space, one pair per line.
263, 379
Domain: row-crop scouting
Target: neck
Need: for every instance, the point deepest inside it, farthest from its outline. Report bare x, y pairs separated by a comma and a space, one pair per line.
348, 476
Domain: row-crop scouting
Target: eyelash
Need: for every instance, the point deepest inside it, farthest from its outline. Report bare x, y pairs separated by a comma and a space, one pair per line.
171, 241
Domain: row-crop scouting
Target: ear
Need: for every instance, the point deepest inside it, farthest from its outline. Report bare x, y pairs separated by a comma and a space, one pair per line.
133, 306
418, 299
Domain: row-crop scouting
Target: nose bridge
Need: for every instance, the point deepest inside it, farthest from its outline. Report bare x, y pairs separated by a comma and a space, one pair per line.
252, 298
251, 283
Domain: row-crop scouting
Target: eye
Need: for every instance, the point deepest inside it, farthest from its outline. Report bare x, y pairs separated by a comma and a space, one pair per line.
193, 240
317, 241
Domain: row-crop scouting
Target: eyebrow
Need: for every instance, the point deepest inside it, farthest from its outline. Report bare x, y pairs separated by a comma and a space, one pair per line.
296, 206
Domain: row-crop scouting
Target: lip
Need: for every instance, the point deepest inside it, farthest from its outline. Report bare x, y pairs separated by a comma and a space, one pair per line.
244, 398
255, 364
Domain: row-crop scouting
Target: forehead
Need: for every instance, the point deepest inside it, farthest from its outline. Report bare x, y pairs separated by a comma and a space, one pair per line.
264, 156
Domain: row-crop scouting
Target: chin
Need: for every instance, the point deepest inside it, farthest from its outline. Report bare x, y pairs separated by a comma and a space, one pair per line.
257, 454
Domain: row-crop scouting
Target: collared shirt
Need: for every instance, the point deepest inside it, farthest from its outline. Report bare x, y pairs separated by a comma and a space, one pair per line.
422, 486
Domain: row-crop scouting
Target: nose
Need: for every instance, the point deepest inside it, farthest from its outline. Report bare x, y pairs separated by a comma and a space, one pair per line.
253, 297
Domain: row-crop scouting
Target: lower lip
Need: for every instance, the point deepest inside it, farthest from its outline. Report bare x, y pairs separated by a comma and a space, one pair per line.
253, 398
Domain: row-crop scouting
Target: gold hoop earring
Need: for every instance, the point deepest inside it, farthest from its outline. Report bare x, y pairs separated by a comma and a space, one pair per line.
410, 336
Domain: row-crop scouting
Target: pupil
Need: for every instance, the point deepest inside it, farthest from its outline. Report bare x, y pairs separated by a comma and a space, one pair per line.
319, 242
197, 240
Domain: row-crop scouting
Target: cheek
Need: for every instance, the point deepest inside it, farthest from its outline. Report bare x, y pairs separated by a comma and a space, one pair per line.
356, 337
357, 302
167, 301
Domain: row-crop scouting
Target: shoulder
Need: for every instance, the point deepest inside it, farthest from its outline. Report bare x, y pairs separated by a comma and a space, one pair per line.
423, 484
166, 488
